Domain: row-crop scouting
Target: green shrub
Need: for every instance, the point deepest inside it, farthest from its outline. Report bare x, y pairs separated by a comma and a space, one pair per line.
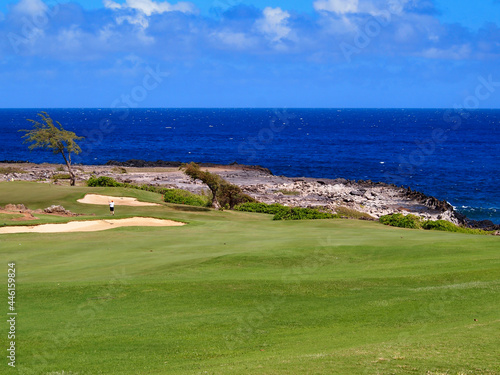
440, 225
103, 181
230, 195
281, 212
61, 176
262, 208
412, 221
446, 226
402, 221
299, 213
185, 197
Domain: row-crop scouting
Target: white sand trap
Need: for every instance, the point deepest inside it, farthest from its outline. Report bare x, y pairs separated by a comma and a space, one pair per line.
92, 225
119, 201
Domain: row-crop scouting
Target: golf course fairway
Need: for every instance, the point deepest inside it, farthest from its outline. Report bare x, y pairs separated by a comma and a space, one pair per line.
238, 293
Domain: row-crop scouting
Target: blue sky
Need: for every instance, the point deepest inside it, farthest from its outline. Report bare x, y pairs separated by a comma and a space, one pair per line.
250, 53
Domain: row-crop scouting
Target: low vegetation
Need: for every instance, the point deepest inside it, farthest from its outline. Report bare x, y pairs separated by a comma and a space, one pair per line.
446, 226
61, 176
9, 170
180, 196
415, 222
281, 212
352, 213
103, 181
120, 170
289, 192
402, 221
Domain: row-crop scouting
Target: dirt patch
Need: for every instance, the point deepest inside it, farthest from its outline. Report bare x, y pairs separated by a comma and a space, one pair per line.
25, 215
119, 201
91, 225
28, 213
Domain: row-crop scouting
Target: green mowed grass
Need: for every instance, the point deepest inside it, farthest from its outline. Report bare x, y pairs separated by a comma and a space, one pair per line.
238, 293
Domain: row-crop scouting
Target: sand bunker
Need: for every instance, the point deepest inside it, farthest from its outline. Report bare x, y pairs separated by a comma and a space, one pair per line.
92, 225
119, 201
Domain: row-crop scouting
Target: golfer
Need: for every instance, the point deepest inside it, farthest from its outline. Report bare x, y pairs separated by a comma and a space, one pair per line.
112, 208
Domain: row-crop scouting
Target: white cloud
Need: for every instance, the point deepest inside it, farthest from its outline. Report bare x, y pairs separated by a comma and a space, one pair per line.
337, 6
238, 40
136, 12
373, 7
70, 40
112, 5
30, 7
457, 52
274, 24
149, 7
138, 19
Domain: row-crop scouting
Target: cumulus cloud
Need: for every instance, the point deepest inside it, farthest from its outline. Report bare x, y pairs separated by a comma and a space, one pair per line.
30, 7
373, 7
137, 19
337, 6
234, 39
138, 12
274, 24
149, 7
171, 31
460, 52
70, 40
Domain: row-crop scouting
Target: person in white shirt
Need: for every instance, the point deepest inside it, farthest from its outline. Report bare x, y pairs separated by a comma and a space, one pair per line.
112, 208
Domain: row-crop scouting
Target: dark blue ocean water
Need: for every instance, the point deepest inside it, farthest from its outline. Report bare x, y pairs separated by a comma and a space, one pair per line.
448, 154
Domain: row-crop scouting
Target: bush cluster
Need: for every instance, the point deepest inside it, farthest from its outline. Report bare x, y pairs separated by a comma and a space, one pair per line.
402, 221
299, 213
450, 227
414, 222
281, 212
224, 194
103, 181
262, 208
179, 196
230, 195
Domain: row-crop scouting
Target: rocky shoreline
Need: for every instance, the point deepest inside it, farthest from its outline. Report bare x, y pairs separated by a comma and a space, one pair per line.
362, 199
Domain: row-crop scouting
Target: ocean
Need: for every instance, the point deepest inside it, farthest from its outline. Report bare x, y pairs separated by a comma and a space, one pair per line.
446, 153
